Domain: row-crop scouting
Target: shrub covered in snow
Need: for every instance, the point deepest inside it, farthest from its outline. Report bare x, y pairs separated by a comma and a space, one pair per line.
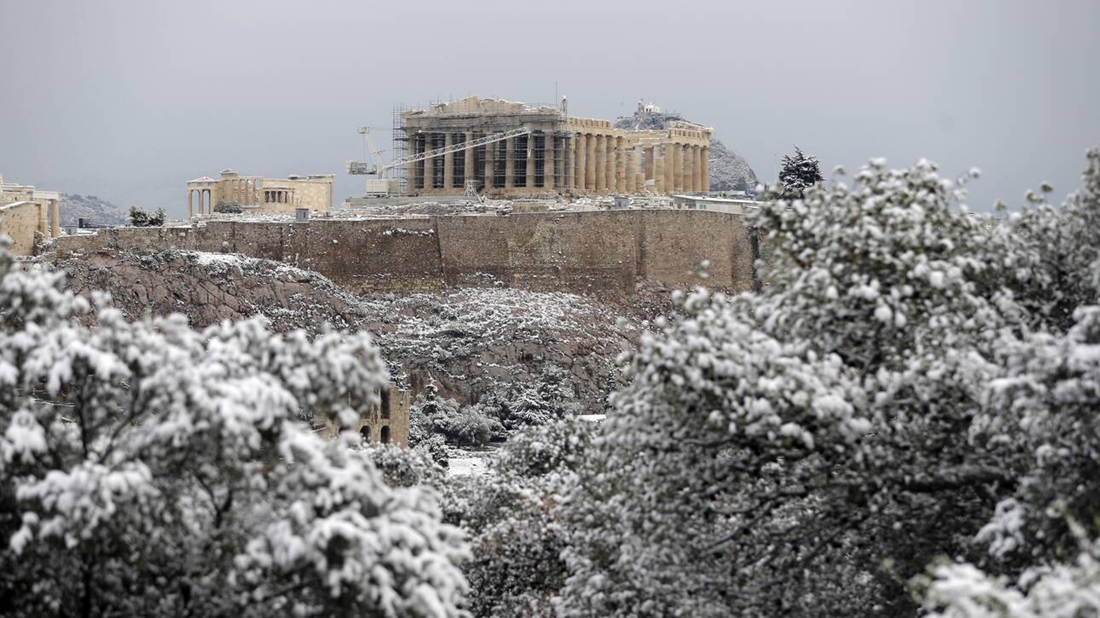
524, 404
904, 387
229, 208
434, 415
405, 467
512, 519
149, 469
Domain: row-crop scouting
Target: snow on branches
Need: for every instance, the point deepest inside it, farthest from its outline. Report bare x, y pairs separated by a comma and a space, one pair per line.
149, 469
876, 403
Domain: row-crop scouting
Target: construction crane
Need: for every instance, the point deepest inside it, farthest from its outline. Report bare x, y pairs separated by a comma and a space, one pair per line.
375, 166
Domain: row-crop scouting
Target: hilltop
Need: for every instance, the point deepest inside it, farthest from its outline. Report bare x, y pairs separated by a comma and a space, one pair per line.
97, 211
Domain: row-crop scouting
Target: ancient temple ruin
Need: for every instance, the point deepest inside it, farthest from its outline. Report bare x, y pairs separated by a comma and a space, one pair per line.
254, 194
533, 150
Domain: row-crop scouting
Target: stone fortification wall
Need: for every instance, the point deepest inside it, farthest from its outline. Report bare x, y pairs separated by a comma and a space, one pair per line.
599, 253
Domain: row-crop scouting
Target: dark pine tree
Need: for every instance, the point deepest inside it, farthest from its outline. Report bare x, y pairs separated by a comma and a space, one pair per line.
798, 174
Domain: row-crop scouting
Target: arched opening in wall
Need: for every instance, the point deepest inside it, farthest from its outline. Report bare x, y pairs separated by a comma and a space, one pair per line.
385, 402
385, 437
365, 433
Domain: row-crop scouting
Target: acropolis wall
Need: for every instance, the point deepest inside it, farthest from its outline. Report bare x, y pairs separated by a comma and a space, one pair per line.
600, 253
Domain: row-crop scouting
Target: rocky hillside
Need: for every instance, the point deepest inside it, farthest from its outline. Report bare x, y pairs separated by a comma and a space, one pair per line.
98, 212
471, 343
210, 287
728, 170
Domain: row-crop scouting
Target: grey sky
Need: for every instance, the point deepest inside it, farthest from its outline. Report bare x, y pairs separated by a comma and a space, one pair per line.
128, 100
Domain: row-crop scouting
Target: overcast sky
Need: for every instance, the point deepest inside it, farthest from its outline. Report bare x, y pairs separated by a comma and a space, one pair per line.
128, 100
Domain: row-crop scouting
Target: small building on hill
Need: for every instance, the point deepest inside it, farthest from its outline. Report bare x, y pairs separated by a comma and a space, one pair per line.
254, 194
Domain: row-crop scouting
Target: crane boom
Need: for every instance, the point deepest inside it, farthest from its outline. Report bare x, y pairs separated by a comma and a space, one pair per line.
365, 167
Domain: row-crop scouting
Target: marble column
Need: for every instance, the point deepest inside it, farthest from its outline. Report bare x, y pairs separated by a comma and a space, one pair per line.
669, 163
689, 169
601, 163
697, 169
510, 163
620, 165
548, 161
55, 219
410, 168
706, 168
650, 163
580, 151
570, 158
590, 164
608, 159
678, 167
448, 162
658, 173
633, 164
490, 164
429, 164
468, 159
190, 207
530, 170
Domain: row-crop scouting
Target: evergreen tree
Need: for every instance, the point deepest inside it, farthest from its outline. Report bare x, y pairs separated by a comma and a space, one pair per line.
139, 217
798, 174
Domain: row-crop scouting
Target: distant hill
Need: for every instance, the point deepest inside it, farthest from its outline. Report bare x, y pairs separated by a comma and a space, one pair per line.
90, 207
729, 171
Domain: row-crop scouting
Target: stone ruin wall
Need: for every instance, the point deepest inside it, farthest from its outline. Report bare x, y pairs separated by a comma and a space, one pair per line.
595, 253
20, 222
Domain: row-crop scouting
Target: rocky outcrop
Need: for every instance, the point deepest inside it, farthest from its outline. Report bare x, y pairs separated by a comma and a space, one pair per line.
469, 342
209, 288
729, 171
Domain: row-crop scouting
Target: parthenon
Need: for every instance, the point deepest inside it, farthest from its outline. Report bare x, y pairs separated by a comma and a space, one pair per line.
547, 151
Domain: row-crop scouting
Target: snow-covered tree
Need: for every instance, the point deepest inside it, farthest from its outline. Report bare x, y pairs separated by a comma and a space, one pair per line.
722, 429
1069, 590
809, 448
546, 399
149, 469
140, 217
1058, 251
798, 173
432, 415
511, 516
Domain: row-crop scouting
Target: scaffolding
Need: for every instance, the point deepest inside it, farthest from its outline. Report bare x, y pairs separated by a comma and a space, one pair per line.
400, 145
490, 159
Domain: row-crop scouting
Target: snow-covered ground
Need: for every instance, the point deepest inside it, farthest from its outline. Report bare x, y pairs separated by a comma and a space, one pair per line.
468, 462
